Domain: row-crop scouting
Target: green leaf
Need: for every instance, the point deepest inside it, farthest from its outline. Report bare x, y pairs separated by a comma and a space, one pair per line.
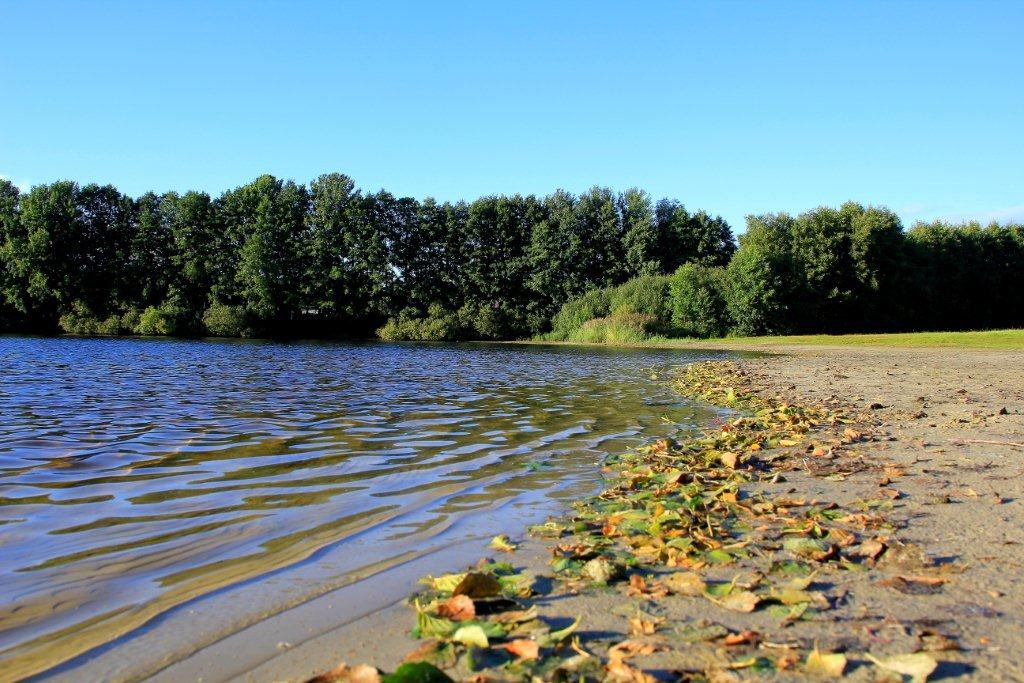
416, 672
809, 548
471, 636
429, 626
555, 637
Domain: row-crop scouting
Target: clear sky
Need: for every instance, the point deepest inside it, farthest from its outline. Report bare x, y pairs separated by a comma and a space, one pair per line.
734, 107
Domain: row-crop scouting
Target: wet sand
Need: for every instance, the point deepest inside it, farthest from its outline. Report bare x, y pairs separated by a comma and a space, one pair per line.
955, 422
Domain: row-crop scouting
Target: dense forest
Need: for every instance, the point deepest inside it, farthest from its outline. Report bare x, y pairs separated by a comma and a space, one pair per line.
276, 258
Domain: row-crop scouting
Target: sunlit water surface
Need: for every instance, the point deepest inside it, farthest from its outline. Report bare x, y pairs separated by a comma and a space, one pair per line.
138, 476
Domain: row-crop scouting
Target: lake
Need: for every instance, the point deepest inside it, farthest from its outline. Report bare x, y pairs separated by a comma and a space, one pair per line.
146, 484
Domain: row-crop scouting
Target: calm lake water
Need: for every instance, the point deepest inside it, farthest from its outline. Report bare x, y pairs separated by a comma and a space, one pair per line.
140, 478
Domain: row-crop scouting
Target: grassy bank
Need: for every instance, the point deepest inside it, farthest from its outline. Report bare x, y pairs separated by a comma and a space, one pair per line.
987, 339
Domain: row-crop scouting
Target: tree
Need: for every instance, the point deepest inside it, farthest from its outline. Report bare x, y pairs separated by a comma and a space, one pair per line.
759, 277
266, 219
697, 299
44, 257
197, 254
334, 208
640, 234
12, 286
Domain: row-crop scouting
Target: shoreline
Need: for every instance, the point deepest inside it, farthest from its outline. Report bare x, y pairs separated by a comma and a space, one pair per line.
945, 578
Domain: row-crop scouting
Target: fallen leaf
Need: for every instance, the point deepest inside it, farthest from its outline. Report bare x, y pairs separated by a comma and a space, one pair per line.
825, 665
809, 548
633, 647
457, 608
640, 587
501, 542
477, 585
555, 637
621, 672
743, 638
685, 583
344, 674
471, 635
740, 601
639, 626
870, 549
522, 648
416, 672
919, 666
933, 641
445, 583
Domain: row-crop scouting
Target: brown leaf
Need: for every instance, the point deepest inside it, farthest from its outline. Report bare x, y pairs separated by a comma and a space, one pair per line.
457, 608
633, 647
522, 648
933, 641
344, 674
685, 583
740, 601
621, 672
904, 556
870, 549
476, 585
639, 626
729, 459
742, 638
640, 587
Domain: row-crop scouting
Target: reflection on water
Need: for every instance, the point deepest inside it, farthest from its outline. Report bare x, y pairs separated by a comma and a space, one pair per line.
137, 475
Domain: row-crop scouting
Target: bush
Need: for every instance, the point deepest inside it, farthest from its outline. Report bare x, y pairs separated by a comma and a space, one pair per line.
438, 325
159, 320
575, 312
222, 320
647, 295
625, 328
698, 301
79, 320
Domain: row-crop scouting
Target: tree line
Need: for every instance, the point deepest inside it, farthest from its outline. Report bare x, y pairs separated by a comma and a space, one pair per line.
828, 270
327, 259
273, 257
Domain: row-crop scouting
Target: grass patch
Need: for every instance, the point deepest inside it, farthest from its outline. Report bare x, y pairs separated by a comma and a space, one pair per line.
987, 339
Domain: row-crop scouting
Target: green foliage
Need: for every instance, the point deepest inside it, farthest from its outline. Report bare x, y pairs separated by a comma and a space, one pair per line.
759, 275
623, 328
223, 320
276, 257
647, 295
437, 325
79, 320
698, 301
165, 319
574, 313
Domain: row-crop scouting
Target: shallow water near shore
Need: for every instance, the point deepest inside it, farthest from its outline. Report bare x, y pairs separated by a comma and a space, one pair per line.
209, 485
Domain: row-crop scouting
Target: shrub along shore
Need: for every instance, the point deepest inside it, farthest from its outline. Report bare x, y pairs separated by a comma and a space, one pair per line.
327, 259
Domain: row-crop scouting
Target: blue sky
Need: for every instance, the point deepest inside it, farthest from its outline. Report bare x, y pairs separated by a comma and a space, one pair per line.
733, 107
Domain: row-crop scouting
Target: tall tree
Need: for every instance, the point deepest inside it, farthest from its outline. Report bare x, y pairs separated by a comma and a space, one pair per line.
640, 234
266, 218
760, 276
12, 285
